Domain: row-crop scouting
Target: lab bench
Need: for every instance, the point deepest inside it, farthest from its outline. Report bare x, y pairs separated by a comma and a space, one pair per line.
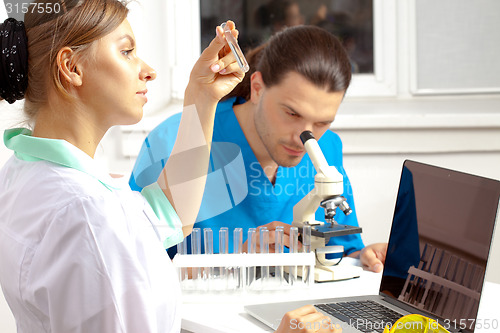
224, 312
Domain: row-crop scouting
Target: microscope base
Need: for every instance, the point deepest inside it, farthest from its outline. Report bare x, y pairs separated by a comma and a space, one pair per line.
333, 273
336, 273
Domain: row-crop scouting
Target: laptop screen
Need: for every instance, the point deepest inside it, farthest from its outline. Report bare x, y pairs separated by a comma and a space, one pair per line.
440, 240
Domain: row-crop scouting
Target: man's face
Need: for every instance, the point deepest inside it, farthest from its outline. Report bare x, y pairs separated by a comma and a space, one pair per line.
284, 111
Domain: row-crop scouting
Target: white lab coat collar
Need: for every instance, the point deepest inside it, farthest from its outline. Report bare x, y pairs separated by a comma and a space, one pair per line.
29, 148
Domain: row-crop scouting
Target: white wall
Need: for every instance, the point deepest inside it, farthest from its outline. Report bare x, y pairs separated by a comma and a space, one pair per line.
10, 116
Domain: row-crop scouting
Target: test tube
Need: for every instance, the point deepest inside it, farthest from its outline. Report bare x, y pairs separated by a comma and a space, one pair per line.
238, 249
264, 248
223, 241
208, 240
252, 245
196, 249
182, 250
238, 240
235, 48
306, 238
306, 244
252, 240
278, 248
294, 248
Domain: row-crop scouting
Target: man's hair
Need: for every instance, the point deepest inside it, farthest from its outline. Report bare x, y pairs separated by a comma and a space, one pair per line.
310, 51
76, 24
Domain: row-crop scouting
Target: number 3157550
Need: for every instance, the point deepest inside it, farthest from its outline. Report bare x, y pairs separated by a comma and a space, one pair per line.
39, 8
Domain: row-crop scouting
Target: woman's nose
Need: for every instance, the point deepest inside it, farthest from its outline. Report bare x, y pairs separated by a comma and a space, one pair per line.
147, 73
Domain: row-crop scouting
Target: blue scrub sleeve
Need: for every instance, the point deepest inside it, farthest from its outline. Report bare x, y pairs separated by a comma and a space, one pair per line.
171, 232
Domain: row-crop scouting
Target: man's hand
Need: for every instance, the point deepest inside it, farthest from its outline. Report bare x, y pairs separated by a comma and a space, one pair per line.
373, 257
272, 236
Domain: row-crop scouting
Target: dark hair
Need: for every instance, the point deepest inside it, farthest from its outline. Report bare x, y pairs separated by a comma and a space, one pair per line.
77, 25
13, 60
310, 51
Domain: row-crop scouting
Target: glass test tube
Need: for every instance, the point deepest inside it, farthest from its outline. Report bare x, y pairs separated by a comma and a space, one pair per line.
182, 250
306, 244
196, 249
223, 244
208, 240
264, 248
238, 240
278, 248
252, 245
238, 249
223, 240
235, 48
294, 248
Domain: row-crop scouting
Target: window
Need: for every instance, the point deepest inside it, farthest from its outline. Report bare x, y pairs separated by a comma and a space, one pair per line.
350, 20
455, 48
186, 19
399, 50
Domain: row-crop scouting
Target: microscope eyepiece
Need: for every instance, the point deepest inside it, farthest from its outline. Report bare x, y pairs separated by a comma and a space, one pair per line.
306, 135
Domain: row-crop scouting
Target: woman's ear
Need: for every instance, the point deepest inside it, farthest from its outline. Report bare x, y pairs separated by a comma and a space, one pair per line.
68, 67
257, 87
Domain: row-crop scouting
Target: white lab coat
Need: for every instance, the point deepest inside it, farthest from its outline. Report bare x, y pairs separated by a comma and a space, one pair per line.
76, 256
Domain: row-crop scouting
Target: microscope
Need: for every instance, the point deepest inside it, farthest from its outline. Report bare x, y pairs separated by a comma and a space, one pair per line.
327, 193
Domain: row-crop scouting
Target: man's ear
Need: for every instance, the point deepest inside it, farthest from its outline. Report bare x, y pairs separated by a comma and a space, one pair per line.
257, 87
68, 67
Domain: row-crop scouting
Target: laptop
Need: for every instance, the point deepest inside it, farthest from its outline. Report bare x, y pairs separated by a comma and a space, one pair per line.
439, 244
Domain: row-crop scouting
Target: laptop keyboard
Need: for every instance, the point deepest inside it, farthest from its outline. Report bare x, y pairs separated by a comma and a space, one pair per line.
366, 316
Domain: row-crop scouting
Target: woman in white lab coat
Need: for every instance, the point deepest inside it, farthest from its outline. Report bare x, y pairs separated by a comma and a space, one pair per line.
79, 251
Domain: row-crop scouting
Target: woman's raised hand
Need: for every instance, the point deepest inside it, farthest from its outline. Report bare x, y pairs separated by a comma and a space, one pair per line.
216, 72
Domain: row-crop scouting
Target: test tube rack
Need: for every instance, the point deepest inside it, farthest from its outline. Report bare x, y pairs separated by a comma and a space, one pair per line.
232, 272
444, 284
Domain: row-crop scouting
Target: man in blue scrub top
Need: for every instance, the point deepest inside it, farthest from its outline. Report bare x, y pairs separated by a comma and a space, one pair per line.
259, 168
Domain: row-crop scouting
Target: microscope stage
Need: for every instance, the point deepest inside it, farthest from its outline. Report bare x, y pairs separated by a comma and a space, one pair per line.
329, 230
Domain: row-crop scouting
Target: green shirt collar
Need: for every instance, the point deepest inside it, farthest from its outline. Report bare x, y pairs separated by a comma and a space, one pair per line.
31, 149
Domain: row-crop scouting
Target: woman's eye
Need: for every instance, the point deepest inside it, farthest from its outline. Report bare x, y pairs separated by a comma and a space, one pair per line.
127, 52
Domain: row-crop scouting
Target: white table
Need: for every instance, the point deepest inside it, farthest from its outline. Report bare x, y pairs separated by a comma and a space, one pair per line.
224, 313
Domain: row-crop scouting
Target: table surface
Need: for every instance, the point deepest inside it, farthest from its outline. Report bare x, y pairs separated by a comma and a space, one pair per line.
224, 313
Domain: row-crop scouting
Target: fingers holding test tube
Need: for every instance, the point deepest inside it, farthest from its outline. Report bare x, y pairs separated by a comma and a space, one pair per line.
216, 72
231, 52
231, 35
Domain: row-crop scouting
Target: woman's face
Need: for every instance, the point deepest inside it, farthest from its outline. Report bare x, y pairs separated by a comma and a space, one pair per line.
114, 82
